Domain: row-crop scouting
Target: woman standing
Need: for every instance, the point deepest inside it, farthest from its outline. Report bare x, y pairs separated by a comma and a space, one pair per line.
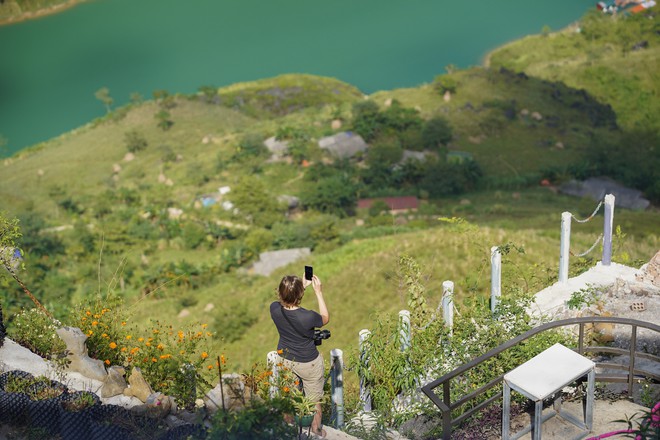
296, 347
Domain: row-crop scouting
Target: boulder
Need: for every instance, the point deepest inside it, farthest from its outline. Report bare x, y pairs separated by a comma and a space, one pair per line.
114, 384
75, 339
138, 386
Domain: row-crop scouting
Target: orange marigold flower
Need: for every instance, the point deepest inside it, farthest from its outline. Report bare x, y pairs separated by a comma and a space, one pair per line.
107, 362
95, 323
222, 359
128, 336
154, 360
113, 345
269, 373
280, 351
134, 350
148, 344
97, 316
84, 318
204, 355
104, 335
199, 334
286, 389
180, 334
140, 339
160, 346
88, 313
210, 367
123, 323
156, 331
165, 356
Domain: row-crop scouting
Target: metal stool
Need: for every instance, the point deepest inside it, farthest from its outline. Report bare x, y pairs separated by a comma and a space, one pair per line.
541, 377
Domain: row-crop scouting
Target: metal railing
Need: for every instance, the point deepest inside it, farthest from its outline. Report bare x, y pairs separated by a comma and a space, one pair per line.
632, 373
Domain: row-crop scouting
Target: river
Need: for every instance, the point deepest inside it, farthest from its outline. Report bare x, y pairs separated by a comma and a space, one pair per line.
50, 68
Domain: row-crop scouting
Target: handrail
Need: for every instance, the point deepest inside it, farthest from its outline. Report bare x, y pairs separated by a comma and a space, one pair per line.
446, 406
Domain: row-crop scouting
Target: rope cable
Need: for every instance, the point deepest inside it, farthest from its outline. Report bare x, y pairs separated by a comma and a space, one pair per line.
590, 249
591, 216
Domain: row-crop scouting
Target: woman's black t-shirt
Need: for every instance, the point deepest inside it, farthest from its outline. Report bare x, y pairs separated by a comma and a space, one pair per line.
292, 344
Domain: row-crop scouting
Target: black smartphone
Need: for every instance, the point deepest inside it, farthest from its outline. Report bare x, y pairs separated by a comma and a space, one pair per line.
309, 273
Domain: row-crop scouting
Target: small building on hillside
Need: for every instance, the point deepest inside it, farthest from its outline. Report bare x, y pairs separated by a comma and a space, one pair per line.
343, 145
397, 205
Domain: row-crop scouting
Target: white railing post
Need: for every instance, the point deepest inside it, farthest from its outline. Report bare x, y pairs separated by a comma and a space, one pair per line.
337, 382
448, 304
365, 394
495, 277
404, 329
564, 246
273, 359
607, 230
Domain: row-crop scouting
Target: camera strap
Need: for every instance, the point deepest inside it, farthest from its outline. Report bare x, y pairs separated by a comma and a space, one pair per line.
291, 324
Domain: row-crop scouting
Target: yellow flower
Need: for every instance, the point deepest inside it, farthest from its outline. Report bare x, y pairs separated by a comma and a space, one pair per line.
160, 346
156, 331
113, 345
180, 334
148, 344
165, 356
90, 333
134, 350
222, 359
97, 316
199, 334
204, 325
104, 335
84, 318
210, 367
204, 355
154, 360
95, 323
128, 336
140, 339
123, 323
88, 313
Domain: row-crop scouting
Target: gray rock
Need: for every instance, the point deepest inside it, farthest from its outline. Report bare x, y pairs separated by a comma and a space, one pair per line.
114, 383
75, 339
138, 386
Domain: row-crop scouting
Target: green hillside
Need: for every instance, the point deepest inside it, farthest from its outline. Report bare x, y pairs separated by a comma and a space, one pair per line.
116, 207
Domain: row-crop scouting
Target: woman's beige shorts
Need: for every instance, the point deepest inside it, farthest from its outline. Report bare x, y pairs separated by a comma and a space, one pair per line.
311, 374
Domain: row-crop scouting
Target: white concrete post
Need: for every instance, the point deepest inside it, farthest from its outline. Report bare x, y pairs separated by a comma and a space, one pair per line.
273, 359
448, 304
564, 246
337, 382
365, 394
404, 329
607, 230
495, 277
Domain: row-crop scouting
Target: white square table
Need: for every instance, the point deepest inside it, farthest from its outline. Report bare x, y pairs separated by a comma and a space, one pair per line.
541, 377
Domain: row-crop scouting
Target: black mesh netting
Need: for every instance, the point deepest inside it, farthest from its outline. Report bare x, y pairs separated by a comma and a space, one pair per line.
75, 413
184, 432
3, 330
111, 422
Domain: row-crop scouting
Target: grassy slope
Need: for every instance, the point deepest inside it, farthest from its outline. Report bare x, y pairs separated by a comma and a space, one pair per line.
597, 61
358, 276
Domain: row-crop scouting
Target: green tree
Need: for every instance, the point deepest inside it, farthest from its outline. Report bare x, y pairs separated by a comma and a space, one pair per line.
209, 93
103, 95
135, 141
164, 118
255, 202
367, 120
335, 195
445, 83
436, 134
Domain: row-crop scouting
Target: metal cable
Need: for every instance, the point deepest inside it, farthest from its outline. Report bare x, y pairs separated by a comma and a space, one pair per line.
590, 249
590, 217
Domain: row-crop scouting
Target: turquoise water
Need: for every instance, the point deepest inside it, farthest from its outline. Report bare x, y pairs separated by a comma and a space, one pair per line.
50, 68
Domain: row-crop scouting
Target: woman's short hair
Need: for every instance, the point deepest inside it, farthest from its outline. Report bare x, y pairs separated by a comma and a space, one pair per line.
291, 290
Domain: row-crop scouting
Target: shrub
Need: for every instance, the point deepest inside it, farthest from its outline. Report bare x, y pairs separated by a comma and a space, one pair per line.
36, 331
135, 141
